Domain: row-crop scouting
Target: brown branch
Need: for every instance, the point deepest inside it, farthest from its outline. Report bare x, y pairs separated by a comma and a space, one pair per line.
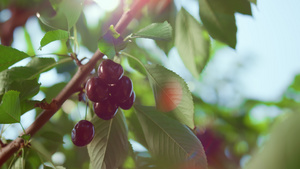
2, 144
80, 76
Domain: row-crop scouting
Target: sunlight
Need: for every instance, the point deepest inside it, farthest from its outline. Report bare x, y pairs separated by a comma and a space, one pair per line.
108, 5
5, 14
93, 14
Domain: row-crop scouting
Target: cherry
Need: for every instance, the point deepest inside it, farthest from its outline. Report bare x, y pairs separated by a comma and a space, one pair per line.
122, 90
83, 133
106, 109
96, 90
128, 103
110, 72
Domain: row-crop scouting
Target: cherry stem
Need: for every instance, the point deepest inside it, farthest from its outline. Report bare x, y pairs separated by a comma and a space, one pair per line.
70, 88
57, 54
75, 39
86, 110
128, 55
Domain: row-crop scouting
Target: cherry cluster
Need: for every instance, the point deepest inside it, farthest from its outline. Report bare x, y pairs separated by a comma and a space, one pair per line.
109, 91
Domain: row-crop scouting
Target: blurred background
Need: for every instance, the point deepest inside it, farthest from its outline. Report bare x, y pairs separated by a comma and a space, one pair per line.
239, 96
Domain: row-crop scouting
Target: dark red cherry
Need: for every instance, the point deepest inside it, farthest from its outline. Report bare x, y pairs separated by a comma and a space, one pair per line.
128, 103
106, 109
122, 90
83, 133
96, 90
110, 72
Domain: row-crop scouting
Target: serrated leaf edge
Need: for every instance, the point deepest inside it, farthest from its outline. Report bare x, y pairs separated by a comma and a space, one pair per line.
161, 128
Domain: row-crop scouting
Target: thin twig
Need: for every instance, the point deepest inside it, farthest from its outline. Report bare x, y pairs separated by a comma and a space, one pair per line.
74, 57
70, 88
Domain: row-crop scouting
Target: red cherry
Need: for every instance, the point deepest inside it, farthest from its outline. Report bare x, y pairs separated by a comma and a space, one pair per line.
122, 90
96, 90
128, 103
83, 133
106, 109
110, 72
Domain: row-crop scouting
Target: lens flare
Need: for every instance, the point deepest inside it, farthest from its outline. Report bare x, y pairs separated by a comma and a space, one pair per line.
170, 95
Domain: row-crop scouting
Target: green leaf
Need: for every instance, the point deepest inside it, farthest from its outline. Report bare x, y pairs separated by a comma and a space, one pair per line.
169, 15
252, 1
27, 88
282, 148
27, 105
12, 79
53, 136
67, 14
138, 57
296, 83
171, 94
109, 44
19, 163
55, 167
30, 48
218, 18
72, 10
26, 137
16, 79
32, 159
53, 36
106, 48
156, 31
59, 21
136, 129
41, 64
19, 73
55, 4
130, 160
241, 6
170, 141
10, 110
51, 92
110, 145
24, 79
136, 65
47, 167
60, 167
145, 161
192, 42
9, 56
38, 147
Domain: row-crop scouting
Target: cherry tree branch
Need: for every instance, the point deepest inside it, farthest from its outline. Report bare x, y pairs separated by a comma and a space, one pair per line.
76, 81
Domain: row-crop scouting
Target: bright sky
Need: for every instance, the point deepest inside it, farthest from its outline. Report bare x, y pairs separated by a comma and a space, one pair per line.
272, 37
268, 47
